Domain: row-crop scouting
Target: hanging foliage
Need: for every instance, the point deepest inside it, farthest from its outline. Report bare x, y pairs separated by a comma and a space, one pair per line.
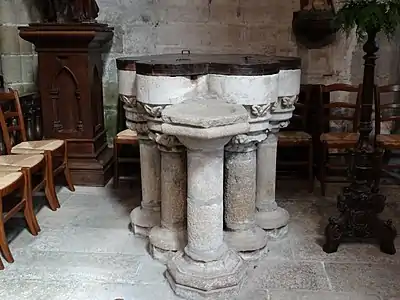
369, 15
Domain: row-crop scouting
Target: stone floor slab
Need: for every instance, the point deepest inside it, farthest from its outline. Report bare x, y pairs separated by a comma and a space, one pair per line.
67, 266
101, 202
255, 294
305, 295
114, 218
124, 292
286, 274
85, 251
89, 240
310, 248
379, 279
16, 289
279, 249
151, 271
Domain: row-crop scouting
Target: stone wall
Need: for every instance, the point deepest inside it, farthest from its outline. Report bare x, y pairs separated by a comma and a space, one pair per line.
18, 59
213, 26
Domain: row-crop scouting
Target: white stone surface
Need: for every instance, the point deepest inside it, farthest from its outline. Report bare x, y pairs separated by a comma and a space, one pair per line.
289, 82
126, 82
206, 118
264, 89
266, 173
163, 90
205, 110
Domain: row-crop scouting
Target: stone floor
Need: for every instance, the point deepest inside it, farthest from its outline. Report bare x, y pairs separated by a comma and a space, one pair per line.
85, 251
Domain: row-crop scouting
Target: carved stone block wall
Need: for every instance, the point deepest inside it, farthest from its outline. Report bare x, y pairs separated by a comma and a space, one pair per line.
18, 59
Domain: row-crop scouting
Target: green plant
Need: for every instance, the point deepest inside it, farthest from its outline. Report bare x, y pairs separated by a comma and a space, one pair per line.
369, 16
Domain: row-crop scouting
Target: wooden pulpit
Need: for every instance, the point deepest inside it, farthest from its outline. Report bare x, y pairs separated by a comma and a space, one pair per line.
70, 85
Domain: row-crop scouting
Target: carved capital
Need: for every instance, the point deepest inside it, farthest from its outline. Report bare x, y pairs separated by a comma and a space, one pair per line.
153, 111
165, 142
245, 142
285, 103
141, 128
260, 110
276, 126
129, 100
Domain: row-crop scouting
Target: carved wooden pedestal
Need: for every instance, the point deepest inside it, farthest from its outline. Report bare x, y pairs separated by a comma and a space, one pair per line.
70, 84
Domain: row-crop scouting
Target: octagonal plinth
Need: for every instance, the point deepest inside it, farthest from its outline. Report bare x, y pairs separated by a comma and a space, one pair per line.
212, 280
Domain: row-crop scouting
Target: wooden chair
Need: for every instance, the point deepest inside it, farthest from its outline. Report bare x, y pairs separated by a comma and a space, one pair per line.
344, 112
386, 114
9, 183
299, 138
13, 128
34, 169
125, 137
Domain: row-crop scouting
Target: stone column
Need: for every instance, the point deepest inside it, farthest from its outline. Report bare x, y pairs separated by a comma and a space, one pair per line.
270, 216
242, 233
206, 268
147, 216
171, 236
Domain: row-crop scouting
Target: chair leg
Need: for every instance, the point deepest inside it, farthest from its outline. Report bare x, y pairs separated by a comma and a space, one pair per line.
322, 178
310, 168
5, 249
50, 188
29, 218
67, 171
116, 166
29, 214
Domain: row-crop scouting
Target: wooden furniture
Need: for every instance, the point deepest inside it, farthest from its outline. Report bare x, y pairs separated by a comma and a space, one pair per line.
9, 183
31, 110
342, 140
70, 85
125, 137
55, 151
34, 169
386, 115
296, 136
121, 118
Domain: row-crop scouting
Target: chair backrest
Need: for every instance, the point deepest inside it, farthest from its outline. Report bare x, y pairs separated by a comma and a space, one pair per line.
11, 119
387, 112
336, 110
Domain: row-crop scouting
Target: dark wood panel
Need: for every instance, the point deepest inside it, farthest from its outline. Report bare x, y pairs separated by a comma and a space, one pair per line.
71, 93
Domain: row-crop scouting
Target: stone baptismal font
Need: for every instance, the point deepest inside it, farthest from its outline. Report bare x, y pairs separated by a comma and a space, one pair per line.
207, 128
